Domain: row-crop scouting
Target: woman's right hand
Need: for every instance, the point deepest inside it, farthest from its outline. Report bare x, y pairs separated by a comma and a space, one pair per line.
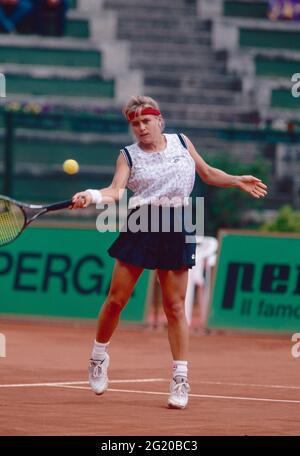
81, 200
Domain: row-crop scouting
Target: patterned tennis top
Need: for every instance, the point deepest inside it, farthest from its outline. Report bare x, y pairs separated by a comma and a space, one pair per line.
158, 177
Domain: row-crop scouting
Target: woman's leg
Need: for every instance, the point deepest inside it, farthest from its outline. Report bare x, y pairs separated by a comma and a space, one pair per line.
123, 281
173, 284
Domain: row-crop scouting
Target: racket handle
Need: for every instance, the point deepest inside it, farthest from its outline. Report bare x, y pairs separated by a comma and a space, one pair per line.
61, 205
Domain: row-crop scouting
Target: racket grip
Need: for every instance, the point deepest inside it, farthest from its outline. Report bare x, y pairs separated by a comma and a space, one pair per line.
61, 205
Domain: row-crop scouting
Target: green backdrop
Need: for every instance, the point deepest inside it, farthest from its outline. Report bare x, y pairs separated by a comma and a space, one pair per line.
257, 283
62, 272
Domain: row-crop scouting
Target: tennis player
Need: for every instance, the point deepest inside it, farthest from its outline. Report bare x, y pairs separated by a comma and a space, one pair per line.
158, 168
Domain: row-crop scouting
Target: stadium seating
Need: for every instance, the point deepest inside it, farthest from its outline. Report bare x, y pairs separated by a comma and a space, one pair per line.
116, 48
240, 8
265, 54
276, 65
78, 28
66, 94
50, 56
52, 85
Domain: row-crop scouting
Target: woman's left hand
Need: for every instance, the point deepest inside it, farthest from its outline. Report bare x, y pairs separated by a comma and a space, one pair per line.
255, 187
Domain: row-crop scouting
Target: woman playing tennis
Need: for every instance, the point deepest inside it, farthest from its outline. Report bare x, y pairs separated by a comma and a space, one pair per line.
158, 168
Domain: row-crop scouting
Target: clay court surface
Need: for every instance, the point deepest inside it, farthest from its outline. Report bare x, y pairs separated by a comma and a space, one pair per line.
241, 385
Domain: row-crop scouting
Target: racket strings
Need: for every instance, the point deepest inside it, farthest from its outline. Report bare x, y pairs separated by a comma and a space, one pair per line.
12, 221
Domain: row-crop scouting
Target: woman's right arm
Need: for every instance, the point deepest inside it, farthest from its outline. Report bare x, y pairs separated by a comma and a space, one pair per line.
112, 193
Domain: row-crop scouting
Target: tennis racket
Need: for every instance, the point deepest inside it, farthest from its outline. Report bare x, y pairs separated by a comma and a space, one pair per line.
16, 216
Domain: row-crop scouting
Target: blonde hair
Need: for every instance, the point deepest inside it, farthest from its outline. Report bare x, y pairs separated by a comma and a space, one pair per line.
138, 103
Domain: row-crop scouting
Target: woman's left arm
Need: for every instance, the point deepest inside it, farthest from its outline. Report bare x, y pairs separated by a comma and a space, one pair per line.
214, 176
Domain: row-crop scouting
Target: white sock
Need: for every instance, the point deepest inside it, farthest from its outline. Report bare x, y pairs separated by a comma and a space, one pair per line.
99, 350
180, 369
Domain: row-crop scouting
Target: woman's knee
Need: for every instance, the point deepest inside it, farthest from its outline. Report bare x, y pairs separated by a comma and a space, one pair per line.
174, 309
115, 303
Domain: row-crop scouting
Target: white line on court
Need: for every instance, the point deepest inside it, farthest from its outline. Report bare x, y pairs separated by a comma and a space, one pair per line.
203, 396
252, 385
145, 380
73, 385
24, 385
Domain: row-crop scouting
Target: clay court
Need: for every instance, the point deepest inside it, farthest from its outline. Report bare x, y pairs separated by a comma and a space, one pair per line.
241, 385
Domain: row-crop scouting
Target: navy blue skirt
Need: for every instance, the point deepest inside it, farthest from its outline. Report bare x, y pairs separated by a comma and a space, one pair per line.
155, 241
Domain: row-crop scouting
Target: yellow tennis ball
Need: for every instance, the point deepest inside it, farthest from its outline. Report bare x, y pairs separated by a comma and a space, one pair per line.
70, 166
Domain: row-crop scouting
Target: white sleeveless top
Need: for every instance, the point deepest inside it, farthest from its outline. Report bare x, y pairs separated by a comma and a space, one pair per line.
157, 177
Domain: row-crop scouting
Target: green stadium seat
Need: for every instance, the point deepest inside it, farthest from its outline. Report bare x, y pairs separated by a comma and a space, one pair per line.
77, 28
282, 98
66, 87
277, 39
253, 9
72, 4
58, 56
276, 66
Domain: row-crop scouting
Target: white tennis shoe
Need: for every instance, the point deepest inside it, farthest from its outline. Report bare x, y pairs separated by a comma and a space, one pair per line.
98, 378
179, 389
